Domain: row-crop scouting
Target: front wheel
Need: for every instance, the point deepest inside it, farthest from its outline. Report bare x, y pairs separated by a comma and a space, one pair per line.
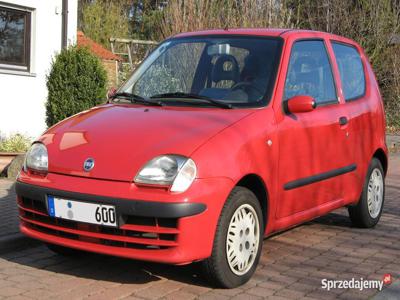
367, 212
238, 241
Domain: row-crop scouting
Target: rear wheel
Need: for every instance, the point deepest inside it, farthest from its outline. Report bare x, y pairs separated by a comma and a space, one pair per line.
368, 210
238, 241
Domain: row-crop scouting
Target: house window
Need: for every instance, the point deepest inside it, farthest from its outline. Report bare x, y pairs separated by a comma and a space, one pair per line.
15, 33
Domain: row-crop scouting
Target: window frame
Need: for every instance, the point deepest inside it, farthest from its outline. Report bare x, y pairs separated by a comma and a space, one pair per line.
24, 67
324, 42
333, 41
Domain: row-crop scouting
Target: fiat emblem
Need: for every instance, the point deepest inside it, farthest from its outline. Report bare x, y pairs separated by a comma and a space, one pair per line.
88, 164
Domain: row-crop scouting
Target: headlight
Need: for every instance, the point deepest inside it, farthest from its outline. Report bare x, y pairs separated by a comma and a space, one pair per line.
172, 170
37, 158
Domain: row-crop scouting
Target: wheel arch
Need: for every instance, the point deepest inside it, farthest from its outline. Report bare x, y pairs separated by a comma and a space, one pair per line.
256, 184
381, 155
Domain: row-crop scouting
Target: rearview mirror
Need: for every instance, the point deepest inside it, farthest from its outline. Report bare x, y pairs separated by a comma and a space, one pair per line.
219, 49
300, 104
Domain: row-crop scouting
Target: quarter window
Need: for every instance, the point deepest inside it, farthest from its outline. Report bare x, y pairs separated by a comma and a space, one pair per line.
310, 73
14, 38
351, 70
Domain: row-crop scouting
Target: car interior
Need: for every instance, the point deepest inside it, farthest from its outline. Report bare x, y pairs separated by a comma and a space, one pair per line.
238, 77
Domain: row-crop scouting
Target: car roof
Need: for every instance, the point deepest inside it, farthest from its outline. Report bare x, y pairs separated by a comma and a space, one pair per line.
272, 32
244, 31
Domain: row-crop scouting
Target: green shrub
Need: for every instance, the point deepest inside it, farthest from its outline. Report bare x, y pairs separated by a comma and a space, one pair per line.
77, 81
15, 143
124, 73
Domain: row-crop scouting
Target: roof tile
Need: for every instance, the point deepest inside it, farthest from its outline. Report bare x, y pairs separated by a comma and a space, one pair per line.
95, 48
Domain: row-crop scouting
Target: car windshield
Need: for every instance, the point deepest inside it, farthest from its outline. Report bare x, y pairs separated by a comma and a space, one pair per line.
237, 71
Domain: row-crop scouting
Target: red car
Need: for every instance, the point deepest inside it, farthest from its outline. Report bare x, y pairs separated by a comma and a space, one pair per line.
218, 139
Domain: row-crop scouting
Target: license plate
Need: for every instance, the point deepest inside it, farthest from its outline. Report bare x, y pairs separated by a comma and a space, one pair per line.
93, 213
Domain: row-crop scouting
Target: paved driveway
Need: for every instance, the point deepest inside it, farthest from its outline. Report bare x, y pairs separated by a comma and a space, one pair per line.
292, 265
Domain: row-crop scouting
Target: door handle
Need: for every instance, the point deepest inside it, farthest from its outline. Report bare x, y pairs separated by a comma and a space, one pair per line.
343, 121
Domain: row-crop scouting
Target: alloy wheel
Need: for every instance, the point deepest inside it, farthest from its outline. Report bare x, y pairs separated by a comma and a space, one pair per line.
242, 239
375, 193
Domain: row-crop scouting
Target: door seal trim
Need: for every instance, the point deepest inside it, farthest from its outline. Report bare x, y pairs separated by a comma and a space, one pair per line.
318, 177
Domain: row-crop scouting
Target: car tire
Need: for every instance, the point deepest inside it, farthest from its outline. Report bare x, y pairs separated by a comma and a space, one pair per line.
367, 212
242, 218
65, 251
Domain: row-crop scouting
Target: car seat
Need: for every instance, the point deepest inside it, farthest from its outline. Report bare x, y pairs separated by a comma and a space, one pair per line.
225, 68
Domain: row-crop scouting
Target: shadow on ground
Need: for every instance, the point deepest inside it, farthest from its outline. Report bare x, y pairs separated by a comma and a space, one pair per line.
104, 268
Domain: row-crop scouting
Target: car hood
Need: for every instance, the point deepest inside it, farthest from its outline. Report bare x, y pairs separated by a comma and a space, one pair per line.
121, 139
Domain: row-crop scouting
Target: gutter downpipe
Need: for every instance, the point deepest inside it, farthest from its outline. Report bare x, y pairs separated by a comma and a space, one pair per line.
64, 24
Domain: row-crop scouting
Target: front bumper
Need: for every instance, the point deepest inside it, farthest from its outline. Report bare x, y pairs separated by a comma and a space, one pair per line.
123, 207
178, 229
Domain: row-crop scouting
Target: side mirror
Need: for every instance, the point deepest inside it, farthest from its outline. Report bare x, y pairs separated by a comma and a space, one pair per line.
300, 104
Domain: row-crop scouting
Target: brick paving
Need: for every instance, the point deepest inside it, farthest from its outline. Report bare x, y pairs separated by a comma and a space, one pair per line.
292, 265
8, 209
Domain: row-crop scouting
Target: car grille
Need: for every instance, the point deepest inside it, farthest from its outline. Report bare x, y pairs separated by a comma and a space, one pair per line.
136, 232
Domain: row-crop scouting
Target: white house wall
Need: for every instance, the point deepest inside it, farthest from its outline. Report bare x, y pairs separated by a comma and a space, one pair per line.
23, 96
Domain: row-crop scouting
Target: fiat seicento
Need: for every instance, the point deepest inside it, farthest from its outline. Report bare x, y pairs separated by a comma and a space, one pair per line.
217, 140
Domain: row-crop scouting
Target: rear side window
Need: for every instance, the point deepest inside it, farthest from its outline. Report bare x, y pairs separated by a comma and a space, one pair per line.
351, 70
310, 73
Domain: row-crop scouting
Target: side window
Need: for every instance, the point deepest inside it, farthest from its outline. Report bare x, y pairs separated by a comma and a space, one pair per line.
351, 70
310, 73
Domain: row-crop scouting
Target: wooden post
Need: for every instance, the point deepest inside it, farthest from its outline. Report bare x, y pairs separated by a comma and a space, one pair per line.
128, 46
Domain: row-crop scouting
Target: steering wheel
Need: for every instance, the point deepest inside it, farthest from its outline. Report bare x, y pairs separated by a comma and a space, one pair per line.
245, 86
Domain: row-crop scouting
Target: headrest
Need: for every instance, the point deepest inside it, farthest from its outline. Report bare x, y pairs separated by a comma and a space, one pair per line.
304, 64
226, 67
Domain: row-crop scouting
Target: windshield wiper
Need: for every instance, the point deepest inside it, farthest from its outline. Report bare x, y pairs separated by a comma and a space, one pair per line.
180, 95
136, 99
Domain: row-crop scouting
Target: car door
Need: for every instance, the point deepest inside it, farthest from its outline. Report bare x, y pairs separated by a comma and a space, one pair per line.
314, 149
359, 100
